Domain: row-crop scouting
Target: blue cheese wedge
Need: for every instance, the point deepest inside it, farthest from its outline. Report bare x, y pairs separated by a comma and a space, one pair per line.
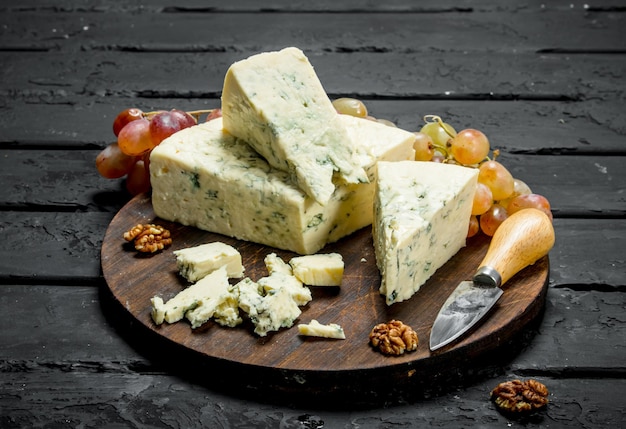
201, 300
276, 103
321, 269
316, 329
209, 179
422, 212
196, 262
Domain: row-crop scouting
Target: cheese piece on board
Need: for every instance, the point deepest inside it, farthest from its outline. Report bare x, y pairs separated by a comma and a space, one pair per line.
268, 311
317, 329
281, 275
421, 219
276, 103
208, 293
196, 262
206, 178
321, 269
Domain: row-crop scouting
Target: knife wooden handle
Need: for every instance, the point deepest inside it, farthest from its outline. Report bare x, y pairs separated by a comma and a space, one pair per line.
521, 240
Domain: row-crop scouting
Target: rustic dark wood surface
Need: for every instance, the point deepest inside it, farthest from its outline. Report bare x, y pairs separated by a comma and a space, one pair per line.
544, 80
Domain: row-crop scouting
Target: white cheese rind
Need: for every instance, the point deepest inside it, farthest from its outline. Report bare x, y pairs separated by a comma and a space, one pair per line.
422, 212
276, 103
196, 262
319, 269
204, 177
317, 329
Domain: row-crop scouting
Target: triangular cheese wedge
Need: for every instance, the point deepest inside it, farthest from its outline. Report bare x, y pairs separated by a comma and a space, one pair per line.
421, 219
275, 102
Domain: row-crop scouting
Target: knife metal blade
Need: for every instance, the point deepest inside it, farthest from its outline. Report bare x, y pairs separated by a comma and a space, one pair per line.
521, 240
462, 310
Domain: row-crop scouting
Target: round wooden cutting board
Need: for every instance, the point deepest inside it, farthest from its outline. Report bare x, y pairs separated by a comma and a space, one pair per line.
300, 362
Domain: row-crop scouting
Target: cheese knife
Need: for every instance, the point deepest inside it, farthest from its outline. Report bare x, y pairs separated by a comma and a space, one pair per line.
521, 240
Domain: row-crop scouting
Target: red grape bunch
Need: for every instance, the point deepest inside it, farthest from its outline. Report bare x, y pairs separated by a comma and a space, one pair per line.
137, 134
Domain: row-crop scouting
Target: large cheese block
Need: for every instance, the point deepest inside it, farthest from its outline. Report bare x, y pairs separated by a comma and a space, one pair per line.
421, 220
276, 103
207, 178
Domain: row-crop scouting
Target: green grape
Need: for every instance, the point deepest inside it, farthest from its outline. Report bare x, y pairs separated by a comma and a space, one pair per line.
519, 188
424, 147
439, 132
469, 147
497, 178
350, 106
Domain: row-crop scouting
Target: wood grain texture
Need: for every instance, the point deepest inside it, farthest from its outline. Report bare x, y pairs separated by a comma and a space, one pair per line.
544, 80
319, 365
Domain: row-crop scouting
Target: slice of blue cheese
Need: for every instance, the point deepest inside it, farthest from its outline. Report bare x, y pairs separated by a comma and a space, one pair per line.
205, 177
275, 102
317, 329
199, 302
321, 269
422, 212
194, 263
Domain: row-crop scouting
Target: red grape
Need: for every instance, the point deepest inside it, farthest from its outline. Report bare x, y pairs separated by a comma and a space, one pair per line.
138, 179
185, 119
483, 199
491, 220
497, 178
134, 139
469, 146
112, 163
165, 124
124, 117
530, 201
215, 113
474, 227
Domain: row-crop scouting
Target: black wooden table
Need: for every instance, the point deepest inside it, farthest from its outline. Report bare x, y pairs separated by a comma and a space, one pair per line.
544, 80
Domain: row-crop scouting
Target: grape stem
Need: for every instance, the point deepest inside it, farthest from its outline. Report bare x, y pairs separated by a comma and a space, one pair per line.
195, 113
442, 149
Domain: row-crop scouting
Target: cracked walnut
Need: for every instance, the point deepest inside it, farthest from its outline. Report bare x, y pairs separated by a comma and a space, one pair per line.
148, 238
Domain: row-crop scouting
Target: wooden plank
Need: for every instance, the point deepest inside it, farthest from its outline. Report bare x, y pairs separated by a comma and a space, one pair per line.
67, 179
580, 330
594, 126
50, 348
399, 32
61, 247
45, 397
61, 180
58, 246
304, 6
481, 75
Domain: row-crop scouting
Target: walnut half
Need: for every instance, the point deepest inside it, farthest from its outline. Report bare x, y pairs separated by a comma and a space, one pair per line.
148, 238
520, 396
393, 338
